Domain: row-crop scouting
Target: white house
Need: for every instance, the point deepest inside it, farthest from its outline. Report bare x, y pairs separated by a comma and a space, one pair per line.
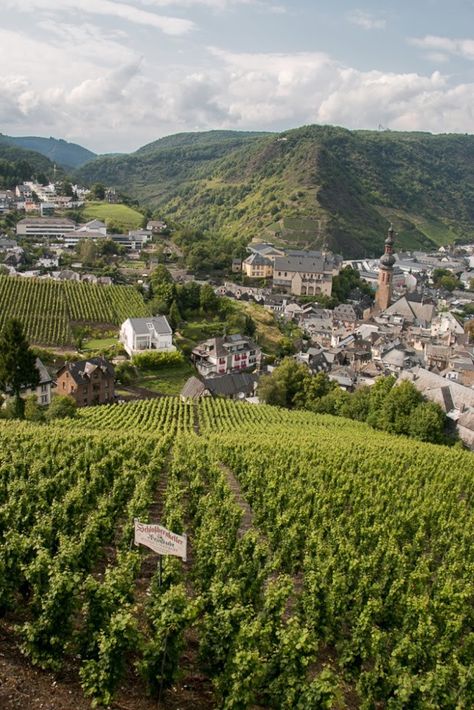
139, 334
43, 389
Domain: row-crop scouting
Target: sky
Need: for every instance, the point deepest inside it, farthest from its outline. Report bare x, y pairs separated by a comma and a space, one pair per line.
114, 75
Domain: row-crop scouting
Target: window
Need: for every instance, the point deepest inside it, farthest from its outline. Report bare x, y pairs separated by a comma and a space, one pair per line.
44, 388
64, 385
44, 399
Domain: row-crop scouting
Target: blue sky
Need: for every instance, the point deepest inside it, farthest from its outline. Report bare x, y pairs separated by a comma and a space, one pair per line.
116, 74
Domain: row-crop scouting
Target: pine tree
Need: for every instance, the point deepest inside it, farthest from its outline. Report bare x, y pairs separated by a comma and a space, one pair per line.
17, 364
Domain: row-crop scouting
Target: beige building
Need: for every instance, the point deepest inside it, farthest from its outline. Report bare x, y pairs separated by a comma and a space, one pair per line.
257, 266
305, 273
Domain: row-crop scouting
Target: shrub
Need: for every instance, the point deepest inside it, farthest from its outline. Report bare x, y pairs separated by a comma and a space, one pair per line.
61, 407
152, 360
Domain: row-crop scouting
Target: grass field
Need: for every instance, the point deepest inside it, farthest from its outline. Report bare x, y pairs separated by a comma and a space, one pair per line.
121, 215
169, 381
99, 343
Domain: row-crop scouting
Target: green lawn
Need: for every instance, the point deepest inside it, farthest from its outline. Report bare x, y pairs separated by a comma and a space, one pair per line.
125, 217
99, 343
168, 381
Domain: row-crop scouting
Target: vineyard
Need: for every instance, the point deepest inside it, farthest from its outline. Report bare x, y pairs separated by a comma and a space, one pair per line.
48, 308
330, 566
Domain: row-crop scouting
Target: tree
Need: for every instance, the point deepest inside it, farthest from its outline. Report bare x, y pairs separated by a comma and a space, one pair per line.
87, 251
125, 372
319, 386
378, 393
98, 191
174, 316
397, 408
17, 364
287, 385
249, 326
33, 411
427, 423
358, 405
208, 300
61, 407
80, 333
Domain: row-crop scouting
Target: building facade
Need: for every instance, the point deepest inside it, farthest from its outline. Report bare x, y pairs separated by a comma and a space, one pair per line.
44, 227
231, 353
305, 273
88, 382
140, 334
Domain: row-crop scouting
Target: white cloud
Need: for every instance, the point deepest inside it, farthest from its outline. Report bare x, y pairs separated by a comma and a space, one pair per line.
366, 20
442, 47
109, 8
215, 4
120, 102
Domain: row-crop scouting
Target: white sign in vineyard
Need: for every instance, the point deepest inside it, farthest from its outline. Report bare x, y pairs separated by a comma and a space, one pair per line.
160, 540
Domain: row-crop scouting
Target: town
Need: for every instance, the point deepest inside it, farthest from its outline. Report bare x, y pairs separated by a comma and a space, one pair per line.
405, 314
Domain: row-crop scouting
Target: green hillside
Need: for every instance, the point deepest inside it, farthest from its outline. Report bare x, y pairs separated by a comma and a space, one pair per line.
59, 151
328, 565
17, 165
120, 215
309, 186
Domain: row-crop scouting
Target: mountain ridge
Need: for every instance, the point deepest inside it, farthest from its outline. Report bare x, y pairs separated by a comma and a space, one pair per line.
345, 185
68, 155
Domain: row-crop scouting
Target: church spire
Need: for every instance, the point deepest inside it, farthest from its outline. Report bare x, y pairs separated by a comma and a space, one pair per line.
384, 290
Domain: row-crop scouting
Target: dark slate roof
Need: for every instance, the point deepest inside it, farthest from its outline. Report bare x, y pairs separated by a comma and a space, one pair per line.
257, 259
81, 370
193, 388
303, 263
231, 384
447, 399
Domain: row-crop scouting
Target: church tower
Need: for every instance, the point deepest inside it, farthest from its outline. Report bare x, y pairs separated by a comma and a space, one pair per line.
384, 290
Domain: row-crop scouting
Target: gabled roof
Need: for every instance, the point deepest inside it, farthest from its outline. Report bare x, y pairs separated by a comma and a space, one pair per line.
434, 387
257, 259
411, 310
92, 225
45, 377
81, 370
231, 384
143, 326
303, 264
193, 388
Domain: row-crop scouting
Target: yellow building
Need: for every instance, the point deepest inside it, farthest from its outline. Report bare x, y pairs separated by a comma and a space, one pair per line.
257, 266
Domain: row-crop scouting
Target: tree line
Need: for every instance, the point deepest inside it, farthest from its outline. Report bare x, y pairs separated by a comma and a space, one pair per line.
394, 408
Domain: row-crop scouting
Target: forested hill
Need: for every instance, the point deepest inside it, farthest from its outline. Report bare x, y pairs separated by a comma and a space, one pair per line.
313, 185
17, 165
59, 151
